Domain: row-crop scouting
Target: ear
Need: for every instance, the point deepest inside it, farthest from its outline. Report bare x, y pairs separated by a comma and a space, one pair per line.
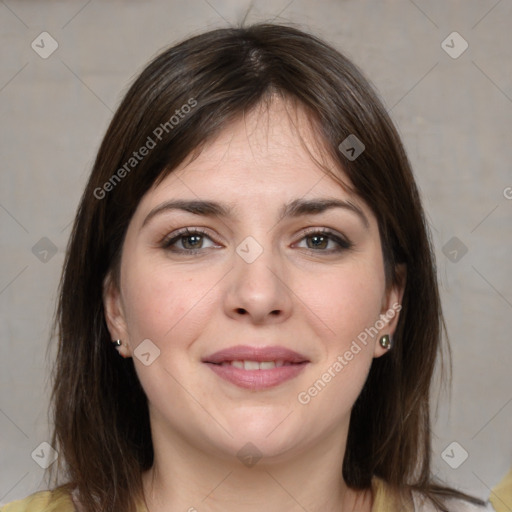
114, 315
391, 306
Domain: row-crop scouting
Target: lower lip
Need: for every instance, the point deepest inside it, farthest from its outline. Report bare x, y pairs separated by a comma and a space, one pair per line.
257, 379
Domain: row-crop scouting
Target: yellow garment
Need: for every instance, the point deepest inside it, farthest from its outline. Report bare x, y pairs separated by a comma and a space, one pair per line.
42, 501
501, 495
384, 500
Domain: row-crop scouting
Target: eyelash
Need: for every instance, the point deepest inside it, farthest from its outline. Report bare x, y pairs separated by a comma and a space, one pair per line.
343, 244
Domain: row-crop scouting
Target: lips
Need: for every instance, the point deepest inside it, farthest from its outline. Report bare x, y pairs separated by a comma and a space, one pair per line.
257, 354
256, 368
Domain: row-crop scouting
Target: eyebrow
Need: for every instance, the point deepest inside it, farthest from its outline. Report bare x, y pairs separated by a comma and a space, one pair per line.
295, 208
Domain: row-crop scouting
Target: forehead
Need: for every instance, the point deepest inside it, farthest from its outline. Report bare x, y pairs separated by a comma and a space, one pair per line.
273, 149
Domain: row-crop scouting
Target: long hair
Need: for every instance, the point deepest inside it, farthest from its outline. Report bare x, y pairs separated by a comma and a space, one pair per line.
100, 411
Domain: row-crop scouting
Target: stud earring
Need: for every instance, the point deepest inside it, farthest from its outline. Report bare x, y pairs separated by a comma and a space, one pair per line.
385, 341
118, 344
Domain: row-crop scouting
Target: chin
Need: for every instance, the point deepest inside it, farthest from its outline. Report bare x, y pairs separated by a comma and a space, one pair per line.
268, 436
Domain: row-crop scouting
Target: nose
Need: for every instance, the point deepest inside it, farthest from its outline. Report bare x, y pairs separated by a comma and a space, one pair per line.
259, 290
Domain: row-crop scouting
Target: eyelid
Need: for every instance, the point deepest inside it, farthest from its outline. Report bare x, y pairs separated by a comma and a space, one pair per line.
343, 241
182, 232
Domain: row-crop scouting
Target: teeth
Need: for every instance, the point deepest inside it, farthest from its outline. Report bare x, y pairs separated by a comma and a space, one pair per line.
255, 365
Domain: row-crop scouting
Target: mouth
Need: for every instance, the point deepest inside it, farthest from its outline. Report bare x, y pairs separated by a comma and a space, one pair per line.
256, 367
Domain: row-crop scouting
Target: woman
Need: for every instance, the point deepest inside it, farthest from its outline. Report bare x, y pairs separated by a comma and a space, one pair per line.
252, 242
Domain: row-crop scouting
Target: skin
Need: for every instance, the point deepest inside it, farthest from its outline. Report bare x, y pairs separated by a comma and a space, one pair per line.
295, 294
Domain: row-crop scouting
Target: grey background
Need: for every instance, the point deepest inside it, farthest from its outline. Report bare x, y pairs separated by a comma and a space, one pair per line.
455, 117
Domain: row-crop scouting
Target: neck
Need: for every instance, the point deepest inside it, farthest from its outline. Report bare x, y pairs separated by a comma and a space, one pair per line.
183, 477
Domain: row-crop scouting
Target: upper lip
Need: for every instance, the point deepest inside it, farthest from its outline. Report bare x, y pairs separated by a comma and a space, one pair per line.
259, 354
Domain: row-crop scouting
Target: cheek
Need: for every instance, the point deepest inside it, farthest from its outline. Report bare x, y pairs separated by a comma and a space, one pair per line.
348, 306
158, 303
347, 301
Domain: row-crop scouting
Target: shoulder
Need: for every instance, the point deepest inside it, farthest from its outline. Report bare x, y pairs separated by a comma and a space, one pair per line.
57, 500
501, 495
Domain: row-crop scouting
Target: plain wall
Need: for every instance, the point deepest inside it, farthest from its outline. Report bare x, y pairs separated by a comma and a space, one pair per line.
455, 117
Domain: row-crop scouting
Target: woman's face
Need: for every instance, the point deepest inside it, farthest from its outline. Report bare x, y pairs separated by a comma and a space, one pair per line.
293, 295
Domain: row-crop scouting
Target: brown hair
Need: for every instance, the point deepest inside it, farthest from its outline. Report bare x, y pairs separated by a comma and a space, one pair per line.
101, 420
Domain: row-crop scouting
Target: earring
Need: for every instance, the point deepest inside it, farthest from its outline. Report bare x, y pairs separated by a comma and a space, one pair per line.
118, 344
385, 341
